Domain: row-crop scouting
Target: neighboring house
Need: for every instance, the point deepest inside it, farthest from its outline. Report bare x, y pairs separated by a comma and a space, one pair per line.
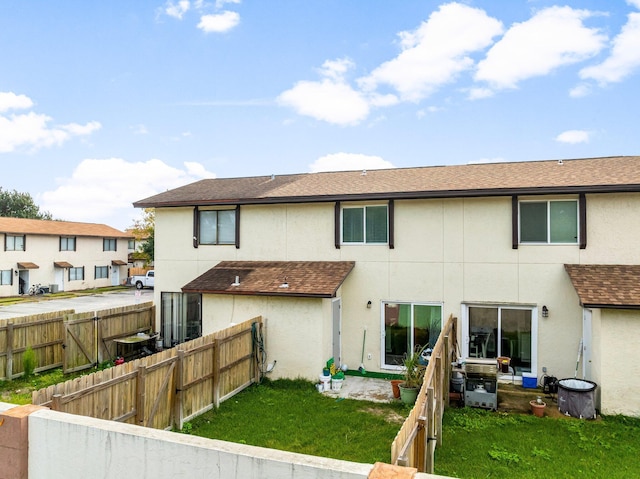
527, 255
61, 255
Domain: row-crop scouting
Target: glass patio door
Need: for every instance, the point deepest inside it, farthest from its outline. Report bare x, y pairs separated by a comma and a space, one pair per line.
408, 326
501, 331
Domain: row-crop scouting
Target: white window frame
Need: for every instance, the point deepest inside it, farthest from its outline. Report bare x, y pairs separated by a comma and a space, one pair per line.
6, 277
77, 273
548, 202
10, 243
392, 367
364, 224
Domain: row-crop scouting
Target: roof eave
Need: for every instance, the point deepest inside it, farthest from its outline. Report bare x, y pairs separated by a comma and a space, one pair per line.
399, 195
259, 293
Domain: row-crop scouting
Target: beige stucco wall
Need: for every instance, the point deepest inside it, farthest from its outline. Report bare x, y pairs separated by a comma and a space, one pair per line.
297, 332
45, 250
448, 251
618, 379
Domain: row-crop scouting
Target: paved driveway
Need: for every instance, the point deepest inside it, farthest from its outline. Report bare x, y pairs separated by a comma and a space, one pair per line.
81, 304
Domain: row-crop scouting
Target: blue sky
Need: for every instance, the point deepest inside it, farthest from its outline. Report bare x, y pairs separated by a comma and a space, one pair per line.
106, 103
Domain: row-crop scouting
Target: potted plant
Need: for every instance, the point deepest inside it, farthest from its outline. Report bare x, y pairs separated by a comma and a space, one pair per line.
413, 375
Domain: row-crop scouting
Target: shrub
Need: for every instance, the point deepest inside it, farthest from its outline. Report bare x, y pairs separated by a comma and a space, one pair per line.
29, 362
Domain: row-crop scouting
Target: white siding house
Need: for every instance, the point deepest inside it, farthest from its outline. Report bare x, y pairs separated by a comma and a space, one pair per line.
60, 255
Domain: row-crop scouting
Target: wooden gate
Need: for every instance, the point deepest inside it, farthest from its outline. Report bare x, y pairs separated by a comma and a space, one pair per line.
81, 342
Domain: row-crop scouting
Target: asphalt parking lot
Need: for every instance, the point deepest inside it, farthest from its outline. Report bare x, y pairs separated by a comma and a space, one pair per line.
80, 304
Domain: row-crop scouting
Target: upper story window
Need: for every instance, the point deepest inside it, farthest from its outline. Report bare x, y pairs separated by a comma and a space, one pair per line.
131, 245
14, 243
365, 225
217, 227
76, 274
67, 243
109, 244
549, 222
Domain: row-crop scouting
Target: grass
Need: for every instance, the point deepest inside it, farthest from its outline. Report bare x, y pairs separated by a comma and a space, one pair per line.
479, 443
290, 415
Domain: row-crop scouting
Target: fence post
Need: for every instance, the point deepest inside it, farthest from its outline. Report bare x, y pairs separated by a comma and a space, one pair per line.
177, 403
430, 431
9, 372
56, 402
141, 394
439, 401
447, 370
216, 373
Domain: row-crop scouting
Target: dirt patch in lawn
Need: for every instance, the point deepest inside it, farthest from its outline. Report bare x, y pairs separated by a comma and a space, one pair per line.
390, 416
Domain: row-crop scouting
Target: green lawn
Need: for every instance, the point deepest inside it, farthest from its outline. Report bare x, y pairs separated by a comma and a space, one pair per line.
479, 443
293, 416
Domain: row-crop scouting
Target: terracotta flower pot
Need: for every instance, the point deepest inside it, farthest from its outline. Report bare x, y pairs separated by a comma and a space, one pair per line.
395, 387
537, 408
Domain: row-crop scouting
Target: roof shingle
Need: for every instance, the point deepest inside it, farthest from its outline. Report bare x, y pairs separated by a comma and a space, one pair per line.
620, 173
318, 279
613, 286
56, 228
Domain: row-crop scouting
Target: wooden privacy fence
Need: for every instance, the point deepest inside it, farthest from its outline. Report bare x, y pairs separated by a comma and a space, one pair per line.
415, 443
74, 341
167, 388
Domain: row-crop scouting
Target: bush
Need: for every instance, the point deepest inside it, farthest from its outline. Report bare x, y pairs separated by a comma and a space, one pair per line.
29, 362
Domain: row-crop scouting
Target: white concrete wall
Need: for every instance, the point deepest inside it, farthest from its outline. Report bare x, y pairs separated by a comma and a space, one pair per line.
66, 446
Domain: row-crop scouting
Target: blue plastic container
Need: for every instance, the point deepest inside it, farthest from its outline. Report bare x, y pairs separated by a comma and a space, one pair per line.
529, 380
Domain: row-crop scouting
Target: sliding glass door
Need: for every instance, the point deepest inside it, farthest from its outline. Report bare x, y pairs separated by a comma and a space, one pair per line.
501, 331
408, 326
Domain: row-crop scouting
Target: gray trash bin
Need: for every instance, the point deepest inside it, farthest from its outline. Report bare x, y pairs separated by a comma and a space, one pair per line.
576, 398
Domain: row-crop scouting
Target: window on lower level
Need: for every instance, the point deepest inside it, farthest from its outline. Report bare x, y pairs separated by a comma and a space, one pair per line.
109, 244
550, 222
6, 276
217, 227
14, 243
76, 274
365, 225
102, 272
181, 317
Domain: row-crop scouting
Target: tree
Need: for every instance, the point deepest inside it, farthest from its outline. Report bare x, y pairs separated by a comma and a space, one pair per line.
20, 205
144, 231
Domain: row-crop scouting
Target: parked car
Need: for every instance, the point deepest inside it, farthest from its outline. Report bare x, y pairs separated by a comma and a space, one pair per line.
140, 281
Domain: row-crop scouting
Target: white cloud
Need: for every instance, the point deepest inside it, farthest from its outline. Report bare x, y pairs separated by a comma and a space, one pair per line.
33, 131
332, 99
178, 9
219, 22
634, 3
552, 38
95, 193
222, 3
348, 161
139, 129
436, 52
624, 58
481, 161
479, 93
11, 101
580, 91
573, 137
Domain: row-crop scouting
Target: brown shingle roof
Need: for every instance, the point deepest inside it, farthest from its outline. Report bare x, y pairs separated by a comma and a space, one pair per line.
56, 228
620, 173
613, 286
319, 279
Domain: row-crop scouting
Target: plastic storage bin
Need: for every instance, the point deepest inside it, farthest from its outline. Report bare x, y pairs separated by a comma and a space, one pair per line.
529, 380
